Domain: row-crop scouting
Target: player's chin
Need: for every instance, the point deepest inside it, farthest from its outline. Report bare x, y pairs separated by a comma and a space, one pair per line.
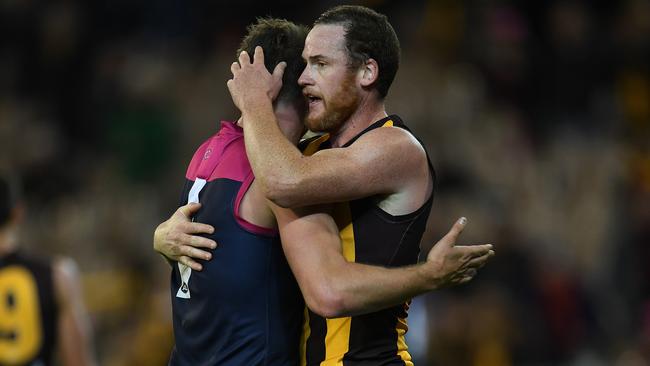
314, 122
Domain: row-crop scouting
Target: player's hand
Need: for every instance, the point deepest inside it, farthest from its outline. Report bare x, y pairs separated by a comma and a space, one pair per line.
251, 82
449, 264
178, 239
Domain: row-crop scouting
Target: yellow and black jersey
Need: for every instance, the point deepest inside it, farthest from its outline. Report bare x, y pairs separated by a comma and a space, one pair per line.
28, 311
369, 235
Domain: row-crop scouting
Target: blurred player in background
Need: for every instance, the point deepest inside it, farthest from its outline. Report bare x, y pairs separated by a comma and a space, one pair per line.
41, 307
222, 312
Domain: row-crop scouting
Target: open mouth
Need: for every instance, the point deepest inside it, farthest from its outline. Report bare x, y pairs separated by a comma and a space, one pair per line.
312, 99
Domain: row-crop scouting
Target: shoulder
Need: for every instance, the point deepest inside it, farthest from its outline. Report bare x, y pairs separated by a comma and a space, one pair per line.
393, 143
198, 157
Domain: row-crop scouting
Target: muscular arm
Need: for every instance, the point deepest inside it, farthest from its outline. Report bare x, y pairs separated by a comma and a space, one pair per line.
75, 344
381, 162
334, 287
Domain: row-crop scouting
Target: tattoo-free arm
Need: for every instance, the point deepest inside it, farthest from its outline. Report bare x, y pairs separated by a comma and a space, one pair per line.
382, 161
334, 287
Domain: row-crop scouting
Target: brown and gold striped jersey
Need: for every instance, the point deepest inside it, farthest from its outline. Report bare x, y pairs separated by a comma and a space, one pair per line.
369, 235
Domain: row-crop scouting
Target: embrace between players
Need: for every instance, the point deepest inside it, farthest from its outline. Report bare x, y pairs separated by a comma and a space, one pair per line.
288, 252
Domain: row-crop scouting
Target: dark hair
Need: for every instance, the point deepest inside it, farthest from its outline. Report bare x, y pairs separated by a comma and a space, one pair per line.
281, 40
368, 34
8, 198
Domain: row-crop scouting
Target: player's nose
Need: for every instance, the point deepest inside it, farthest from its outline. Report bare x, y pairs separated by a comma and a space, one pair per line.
305, 78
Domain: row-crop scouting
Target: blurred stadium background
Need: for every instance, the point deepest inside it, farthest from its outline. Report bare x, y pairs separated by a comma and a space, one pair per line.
536, 114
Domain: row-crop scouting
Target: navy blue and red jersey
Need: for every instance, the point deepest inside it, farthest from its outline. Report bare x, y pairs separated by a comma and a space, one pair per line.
244, 307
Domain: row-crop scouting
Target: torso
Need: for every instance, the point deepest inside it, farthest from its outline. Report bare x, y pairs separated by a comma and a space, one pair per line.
244, 307
28, 311
369, 235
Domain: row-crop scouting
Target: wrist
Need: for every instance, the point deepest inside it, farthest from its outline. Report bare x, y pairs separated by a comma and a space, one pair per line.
254, 104
429, 276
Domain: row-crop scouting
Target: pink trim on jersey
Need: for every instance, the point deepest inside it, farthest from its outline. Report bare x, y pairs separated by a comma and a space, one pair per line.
227, 146
246, 225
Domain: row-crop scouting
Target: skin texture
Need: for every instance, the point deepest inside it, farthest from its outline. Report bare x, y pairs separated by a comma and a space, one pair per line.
331, 286
388, 162
342, 102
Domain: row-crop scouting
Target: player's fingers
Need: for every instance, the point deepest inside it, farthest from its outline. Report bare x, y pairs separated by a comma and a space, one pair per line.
189, 210
466, 275
258, 57
197, 228
201, 242
234, 68
196, 266
279, 70
244, 59
465, 279
229, 84
475, 250
196, 241
195, 253
478, 262
450, 238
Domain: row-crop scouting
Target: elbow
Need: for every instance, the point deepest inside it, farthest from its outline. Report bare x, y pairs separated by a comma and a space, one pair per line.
280, 190
327, 302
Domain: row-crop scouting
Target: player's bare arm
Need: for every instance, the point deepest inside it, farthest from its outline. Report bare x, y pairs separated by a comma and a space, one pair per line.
334, 287
385, 161
178, 239
75, 340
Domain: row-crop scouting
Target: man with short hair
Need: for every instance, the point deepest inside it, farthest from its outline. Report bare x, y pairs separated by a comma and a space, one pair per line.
371, 162
242, 307
41, 305
331, 283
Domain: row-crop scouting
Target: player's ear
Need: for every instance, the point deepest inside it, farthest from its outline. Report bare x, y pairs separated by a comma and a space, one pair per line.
369, 72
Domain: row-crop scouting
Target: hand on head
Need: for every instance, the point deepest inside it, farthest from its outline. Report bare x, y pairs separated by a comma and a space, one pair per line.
251, 82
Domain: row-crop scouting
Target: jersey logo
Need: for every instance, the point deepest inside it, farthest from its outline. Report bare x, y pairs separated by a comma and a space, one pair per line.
184, 290
207, 154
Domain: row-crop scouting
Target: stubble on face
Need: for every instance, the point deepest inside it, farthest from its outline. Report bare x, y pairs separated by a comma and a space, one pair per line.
337, 108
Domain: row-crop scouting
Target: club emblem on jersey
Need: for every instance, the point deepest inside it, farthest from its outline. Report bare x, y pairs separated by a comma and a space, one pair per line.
184, 290
207, 154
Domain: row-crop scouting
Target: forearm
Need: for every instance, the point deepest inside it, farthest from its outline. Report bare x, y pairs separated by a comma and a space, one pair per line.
275, 161
333, 286
361, 288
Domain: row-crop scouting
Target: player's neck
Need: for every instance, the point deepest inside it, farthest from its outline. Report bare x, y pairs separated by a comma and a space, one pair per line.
370, 110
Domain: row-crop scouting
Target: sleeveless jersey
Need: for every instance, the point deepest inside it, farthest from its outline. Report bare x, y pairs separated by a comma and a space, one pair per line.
369, 235
244, 307
28, 311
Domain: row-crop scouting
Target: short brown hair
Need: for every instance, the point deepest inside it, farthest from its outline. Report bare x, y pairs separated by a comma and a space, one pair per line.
281, 40
368, 34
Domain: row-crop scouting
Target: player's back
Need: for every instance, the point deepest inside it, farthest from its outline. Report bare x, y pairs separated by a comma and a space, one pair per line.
244, 307
28, 311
